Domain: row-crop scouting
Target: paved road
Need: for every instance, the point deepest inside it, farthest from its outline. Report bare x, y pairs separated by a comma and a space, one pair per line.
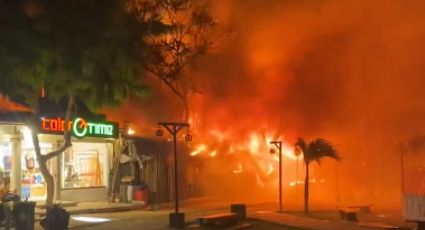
150, 220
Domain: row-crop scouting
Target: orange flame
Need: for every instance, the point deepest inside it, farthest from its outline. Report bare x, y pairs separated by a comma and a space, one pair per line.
254, 149
199, 149
238, 169
271, 169
260, 183
213, 153
254, 144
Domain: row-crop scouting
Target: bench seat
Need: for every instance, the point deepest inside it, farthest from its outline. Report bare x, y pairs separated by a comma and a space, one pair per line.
218, 220
348, 214
362, 207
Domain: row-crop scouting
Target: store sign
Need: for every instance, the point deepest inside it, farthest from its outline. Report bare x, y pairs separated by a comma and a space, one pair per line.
80, 127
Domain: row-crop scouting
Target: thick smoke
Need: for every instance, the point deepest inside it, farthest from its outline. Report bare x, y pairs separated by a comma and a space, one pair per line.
349, 71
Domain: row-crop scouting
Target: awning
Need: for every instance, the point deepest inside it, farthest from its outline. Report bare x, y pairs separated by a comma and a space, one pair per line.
9, 106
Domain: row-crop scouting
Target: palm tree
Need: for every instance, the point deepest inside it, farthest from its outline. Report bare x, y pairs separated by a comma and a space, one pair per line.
314, 151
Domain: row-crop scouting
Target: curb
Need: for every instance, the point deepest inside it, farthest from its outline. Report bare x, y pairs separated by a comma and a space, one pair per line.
100, 210
103, 210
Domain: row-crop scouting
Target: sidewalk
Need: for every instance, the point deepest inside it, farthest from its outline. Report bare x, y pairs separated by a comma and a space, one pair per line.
97, 207
105, 206
314, 223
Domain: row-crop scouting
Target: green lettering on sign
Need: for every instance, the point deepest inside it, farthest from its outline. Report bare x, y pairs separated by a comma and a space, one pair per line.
81, 128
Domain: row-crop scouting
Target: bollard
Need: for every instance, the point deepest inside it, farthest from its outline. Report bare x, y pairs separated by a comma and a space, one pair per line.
239, 209
176, 220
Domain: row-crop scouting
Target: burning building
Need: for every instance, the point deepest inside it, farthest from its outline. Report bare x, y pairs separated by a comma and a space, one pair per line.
351, 72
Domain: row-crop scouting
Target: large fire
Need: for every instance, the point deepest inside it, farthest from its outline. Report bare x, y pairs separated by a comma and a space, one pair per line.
246, 166
348, 71
252, 154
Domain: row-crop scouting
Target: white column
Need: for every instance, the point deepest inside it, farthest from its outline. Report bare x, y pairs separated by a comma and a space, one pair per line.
15, 141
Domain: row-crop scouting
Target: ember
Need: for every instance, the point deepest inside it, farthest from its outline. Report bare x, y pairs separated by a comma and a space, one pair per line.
198, 150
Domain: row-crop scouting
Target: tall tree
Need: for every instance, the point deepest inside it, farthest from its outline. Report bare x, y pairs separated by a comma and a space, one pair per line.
88, 49
314, 151
191, 33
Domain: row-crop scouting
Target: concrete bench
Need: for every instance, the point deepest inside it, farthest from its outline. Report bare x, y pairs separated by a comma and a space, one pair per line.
218, 220
362, 207
348, 214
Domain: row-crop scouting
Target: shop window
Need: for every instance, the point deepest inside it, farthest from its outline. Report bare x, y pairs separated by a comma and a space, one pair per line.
32, 181
5, 160
83, 166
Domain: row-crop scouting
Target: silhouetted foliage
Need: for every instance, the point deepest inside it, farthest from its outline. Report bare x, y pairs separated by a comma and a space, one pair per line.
190, 32
88, 49
315, 151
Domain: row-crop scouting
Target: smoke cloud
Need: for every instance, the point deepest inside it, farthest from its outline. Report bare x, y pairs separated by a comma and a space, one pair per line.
348, 71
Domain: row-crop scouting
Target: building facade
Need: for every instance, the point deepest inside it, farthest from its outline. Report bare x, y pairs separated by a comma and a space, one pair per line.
84, 171
81, 173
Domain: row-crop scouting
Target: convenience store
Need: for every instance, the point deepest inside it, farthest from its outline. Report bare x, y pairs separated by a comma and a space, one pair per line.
81, 173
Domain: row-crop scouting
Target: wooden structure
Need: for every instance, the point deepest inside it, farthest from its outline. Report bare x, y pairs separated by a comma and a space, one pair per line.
414, 196
158, 173
414, 207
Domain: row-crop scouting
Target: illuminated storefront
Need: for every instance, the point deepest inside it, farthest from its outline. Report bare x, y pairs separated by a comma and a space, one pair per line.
81, 173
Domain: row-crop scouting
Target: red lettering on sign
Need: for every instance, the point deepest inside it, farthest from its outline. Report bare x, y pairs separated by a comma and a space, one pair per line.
55, 125
44, 124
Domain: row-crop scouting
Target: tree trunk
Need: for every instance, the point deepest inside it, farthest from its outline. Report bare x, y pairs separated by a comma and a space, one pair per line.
50, 182
186, 109
306, 188
43, 159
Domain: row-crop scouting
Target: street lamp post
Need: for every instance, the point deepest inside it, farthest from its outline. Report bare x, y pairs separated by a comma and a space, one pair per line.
278, 144
176, 219
403, 150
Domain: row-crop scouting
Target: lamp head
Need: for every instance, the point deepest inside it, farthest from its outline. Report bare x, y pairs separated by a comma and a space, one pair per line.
188, 137
159, 132
297, 151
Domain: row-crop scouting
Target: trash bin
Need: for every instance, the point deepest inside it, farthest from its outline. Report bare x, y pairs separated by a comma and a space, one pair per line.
8, 203
23, 214
8, 213
141, 193
2, 215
